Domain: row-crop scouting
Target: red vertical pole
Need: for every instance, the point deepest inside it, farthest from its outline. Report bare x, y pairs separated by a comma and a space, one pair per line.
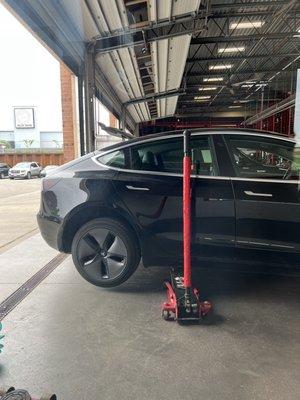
187, 212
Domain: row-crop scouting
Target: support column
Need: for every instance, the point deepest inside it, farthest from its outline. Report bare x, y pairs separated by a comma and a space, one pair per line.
262, 106
81, 114
69, 113
297, 109
89, 96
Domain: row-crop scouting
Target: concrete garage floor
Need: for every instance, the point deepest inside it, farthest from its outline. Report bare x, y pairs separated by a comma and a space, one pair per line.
84, 342
19, 204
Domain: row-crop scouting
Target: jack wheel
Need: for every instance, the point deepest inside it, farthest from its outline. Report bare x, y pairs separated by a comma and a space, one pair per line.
3, 391
166, 315
49, 397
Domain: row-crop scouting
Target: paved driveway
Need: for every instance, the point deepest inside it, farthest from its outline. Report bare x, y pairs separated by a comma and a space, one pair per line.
18, 207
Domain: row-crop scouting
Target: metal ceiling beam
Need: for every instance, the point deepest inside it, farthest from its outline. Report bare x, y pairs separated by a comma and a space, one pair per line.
206, 113
154, 97
227, 72
243, 38
161, 30
275, 109
277, 3
242, 57
187, 24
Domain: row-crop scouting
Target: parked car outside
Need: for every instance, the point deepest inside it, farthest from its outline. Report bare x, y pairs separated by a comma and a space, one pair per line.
47, 170
116, 206
4, 168
25, 170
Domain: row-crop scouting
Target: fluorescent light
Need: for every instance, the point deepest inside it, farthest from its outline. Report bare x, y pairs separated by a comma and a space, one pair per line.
221, 66
216, 79
247, 85
231, 49
207, 88
245, 25
242, 101
202, 97
234, 106
261, 84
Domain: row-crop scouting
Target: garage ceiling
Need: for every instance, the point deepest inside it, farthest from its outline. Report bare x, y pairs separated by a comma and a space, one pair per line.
180, 58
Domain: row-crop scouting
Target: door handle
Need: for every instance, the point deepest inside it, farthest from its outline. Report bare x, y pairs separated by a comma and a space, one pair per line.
136, 188
250, 193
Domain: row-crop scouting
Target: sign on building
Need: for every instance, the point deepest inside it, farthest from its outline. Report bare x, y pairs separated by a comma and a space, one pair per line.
24, 117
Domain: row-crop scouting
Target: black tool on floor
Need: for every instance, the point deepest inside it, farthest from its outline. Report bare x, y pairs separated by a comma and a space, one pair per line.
20, 394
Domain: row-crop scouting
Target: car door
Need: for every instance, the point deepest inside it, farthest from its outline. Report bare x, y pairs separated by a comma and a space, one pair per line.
151, 189
34, 169
214, 230
266, 188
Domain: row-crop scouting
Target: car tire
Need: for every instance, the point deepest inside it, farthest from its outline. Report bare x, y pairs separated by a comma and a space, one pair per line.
11, 178
2, 175
28, 176
105, 252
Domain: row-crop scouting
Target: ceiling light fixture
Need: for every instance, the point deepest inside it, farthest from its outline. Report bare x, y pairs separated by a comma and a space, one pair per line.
202, 97
247, 85
296, 34
241, 101
246, 25
234, 106
219, 67
216, 79
207, 88
231, 49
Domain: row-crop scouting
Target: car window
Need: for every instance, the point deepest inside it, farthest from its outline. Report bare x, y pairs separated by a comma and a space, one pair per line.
115, 159
260, 157
166, 155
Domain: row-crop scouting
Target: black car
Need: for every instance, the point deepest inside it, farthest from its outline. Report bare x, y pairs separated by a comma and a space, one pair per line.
4, 168
116, 206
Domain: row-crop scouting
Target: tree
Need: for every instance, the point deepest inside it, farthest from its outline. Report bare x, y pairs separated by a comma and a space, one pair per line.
28, 142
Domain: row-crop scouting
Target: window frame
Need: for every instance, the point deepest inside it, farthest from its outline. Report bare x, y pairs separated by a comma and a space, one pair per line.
206, 136
265, 138
127, 150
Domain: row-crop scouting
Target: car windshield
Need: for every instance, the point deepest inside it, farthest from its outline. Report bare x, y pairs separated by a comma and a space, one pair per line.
22, 165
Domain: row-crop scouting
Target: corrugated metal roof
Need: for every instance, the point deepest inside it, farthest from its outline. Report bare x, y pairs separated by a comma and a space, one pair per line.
167, 9
168, 67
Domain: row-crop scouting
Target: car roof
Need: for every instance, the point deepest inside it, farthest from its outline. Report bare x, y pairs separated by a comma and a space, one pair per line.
257, 132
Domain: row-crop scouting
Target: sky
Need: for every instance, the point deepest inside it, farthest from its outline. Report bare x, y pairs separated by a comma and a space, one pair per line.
29, 76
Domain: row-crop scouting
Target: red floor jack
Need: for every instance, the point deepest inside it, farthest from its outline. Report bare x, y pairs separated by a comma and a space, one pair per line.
183, 301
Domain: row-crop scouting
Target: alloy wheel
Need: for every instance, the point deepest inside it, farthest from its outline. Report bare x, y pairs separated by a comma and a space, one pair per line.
102, 255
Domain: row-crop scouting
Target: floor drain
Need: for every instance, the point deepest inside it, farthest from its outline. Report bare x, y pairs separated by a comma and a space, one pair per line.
23, 291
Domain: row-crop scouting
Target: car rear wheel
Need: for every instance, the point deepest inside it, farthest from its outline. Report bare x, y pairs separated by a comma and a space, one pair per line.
28, 175
105, 252
2, 175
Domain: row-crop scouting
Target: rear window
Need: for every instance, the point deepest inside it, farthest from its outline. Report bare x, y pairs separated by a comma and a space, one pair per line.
115, 159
